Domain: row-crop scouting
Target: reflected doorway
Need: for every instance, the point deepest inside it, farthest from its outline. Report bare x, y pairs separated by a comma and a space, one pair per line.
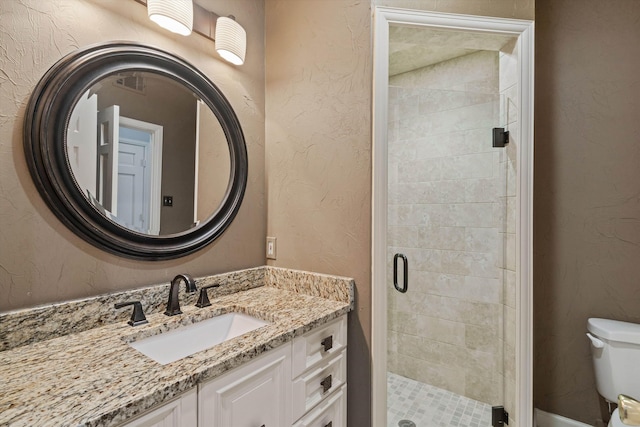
139, 161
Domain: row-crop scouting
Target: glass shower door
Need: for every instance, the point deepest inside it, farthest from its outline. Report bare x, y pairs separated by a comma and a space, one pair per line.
447, 231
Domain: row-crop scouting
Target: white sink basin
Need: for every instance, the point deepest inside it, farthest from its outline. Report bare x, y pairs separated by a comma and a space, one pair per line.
182, 342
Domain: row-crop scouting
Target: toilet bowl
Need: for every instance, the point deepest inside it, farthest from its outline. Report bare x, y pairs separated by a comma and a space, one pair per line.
615, 351
615, 420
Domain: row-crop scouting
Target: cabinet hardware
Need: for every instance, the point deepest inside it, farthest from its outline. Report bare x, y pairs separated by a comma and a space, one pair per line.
326, 384
327, 343
329, 424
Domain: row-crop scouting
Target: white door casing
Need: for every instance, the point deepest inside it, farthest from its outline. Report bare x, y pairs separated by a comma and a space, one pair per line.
524, 223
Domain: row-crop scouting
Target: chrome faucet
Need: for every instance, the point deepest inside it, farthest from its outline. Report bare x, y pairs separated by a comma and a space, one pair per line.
173, 305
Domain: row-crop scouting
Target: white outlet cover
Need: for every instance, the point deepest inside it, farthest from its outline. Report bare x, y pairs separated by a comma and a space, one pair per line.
271, 248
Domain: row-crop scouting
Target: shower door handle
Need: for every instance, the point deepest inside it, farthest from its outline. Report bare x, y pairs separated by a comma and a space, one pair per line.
405, 276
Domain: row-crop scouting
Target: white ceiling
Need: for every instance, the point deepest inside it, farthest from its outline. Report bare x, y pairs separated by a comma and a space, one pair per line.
411, 48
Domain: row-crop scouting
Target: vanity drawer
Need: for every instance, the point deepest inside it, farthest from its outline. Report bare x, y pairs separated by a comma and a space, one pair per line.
330, 413
319, 345
313, 386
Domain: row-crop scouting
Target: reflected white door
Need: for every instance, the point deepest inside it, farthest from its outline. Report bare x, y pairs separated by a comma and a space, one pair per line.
133, 184
108, 138
130, 151
81, 142
140, 170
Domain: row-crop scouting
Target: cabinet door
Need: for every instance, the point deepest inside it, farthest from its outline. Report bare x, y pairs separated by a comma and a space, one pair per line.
254, 395
181, 412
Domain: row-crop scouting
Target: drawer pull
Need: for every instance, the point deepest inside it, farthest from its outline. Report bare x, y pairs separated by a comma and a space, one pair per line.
326, 384
329, 424
327, 343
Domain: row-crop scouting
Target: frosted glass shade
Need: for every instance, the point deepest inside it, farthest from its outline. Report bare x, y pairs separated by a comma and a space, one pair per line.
173, 15
231, 40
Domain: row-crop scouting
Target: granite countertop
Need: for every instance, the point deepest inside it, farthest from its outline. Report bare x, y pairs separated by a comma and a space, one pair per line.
94, 378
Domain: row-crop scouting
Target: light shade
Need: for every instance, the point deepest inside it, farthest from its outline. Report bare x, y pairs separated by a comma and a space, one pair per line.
174, 15
231, 40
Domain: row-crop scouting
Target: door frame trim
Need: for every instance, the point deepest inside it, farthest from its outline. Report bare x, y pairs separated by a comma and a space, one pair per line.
524, 30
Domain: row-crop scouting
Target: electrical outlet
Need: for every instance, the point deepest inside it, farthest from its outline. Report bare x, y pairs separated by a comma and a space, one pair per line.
271, 248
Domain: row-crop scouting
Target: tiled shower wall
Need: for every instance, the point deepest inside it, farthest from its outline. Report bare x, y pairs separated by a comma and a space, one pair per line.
448, 208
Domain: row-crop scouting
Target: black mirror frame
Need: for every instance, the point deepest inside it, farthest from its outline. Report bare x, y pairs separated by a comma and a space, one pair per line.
45, 126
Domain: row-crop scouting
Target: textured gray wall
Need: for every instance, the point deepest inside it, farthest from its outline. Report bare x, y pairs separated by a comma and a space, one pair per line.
42, 261
318, 149
587, 190
318, 155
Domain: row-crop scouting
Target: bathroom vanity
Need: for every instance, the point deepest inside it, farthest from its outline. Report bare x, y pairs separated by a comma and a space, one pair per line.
297, 381
79, 363
290, 372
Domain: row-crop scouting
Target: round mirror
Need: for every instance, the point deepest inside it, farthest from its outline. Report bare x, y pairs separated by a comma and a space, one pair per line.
135, 150
160, 141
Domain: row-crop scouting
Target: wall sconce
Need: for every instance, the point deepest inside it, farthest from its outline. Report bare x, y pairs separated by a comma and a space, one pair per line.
184, 16
173, 15
231, 40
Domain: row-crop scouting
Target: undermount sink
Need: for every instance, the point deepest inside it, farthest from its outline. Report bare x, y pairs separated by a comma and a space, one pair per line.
170, 346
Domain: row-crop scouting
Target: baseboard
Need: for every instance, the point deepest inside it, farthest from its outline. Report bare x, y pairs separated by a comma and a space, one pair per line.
545, 419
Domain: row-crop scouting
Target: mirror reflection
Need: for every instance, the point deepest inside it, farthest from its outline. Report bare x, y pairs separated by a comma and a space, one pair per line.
148, 153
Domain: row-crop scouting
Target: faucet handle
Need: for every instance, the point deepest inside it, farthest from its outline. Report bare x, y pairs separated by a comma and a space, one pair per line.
629, 410
203, 299
137, 316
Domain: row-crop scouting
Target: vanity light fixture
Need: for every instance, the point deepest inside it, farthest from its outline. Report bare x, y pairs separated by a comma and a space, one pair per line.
173, 15
231, 40
185, 16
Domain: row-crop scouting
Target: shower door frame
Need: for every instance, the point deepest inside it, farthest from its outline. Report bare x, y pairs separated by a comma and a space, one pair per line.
523, 29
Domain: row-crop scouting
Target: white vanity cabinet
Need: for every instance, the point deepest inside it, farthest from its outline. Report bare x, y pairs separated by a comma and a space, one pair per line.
301, 384
179, 412
256, 394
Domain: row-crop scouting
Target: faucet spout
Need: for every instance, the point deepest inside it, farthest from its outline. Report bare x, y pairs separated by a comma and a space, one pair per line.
173, 304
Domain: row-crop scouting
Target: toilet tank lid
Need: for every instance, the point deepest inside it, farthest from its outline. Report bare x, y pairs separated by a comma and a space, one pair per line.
615, 330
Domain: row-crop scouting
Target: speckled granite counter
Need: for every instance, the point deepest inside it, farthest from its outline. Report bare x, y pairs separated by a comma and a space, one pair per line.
94, 378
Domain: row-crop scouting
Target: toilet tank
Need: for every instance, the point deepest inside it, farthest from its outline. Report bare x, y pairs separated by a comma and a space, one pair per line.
616, 360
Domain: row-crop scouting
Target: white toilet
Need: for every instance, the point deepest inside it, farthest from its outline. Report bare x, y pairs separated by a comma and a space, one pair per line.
615, 347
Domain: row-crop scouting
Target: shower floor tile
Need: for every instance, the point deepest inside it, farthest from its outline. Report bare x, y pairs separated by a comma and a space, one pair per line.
429, 406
